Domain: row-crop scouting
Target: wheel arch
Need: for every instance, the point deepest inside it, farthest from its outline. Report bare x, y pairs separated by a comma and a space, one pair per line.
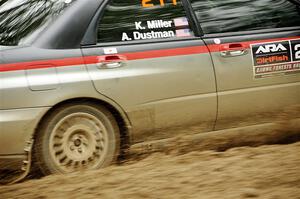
119, 115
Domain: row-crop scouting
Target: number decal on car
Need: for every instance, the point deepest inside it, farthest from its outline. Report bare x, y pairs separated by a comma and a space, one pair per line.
150, 3
297, 53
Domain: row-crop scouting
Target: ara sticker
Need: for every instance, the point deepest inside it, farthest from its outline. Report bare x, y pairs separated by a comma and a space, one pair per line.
276, 58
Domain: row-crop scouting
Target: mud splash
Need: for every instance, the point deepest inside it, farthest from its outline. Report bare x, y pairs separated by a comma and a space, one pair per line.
260, 162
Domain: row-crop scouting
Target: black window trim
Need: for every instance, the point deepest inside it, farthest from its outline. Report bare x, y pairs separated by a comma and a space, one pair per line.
251, 32
90, 38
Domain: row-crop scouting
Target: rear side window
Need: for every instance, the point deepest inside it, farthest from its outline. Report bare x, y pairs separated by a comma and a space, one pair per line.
135, 20
220, 16
21, 21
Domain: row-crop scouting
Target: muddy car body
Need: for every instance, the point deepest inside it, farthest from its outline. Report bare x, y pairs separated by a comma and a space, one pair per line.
82, 80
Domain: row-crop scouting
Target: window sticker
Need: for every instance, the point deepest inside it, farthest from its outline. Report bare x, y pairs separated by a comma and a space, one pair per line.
109, 51
217, 41
158, 29
181, 21
276, 58
183, 33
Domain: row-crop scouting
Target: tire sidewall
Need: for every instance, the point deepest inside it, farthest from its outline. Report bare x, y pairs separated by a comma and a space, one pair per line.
46, 162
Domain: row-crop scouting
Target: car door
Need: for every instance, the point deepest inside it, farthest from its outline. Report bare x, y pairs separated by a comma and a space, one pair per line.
147, 59
255, 47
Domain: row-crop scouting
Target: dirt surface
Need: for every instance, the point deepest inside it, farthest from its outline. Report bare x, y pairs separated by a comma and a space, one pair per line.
262, 172
226, 164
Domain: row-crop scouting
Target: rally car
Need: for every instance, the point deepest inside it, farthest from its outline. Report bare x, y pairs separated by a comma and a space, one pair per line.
82, 80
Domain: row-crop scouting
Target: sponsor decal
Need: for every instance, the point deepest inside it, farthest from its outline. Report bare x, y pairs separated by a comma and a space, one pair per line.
276, 58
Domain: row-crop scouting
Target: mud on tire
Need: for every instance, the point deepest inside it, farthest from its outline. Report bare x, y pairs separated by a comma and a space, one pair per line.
78, 136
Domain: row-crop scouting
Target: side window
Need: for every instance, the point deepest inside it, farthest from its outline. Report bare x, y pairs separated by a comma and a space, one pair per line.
220, 16
132, 20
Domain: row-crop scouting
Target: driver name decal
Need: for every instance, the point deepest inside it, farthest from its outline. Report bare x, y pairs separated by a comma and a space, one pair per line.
158, 29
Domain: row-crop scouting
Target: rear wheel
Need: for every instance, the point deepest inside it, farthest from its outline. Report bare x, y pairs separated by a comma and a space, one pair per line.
77, 137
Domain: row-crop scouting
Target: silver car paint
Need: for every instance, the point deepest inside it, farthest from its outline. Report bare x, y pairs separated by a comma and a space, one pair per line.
26, 100
244, 100
152, 95
17, 127
161, 95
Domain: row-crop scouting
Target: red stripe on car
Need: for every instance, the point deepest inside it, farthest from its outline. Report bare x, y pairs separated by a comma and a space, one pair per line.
129, 56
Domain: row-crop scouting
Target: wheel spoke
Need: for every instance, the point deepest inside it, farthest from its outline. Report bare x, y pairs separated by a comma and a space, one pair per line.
78, 141
63, 159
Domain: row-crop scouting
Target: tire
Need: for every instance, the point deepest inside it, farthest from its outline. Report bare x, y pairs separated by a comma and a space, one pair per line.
75, 137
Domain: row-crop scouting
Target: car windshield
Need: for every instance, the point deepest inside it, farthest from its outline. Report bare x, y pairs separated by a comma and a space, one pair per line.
21, 21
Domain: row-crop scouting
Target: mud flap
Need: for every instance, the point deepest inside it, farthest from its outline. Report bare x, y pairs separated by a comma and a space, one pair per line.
25, 169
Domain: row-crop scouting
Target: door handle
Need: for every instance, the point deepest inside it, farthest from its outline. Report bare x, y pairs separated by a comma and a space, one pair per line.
233, 50
111, 61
